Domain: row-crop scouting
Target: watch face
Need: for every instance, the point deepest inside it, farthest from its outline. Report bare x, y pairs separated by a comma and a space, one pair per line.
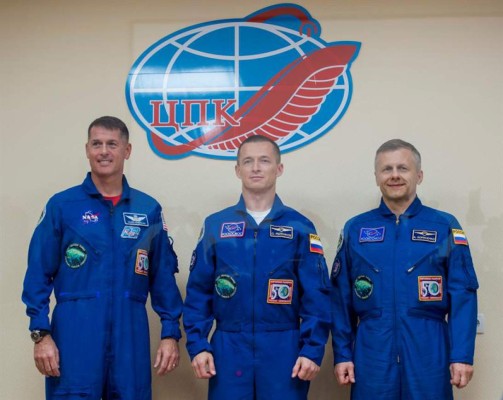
37, 336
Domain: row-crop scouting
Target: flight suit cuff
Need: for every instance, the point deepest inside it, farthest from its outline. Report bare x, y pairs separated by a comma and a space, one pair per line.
40, 323
197, 348
171, 330
313, 354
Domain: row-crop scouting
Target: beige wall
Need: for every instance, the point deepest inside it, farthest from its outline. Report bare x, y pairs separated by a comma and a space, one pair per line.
429, 72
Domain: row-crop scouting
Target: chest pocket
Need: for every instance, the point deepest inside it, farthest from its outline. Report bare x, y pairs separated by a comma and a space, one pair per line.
367, 287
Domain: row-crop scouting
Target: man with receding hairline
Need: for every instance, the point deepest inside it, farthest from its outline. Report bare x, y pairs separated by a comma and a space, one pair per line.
404, 292
103, 248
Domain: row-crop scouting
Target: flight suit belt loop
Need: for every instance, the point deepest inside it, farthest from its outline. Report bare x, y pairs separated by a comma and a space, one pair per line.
232, 326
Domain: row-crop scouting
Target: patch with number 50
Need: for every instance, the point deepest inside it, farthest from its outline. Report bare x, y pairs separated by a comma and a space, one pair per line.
280, 291
430, 288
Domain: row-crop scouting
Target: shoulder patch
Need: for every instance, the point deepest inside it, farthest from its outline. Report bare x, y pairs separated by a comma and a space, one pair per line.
315, 245
164, 225
459, 237
42, 216
336, 268
340, 243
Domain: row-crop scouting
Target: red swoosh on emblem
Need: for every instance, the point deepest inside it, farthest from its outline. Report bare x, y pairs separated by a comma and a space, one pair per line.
286, 102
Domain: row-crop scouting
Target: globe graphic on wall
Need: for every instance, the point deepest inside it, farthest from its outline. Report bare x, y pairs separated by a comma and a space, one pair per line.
213, 76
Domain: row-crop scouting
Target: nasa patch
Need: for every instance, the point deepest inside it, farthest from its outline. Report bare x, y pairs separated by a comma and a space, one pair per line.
90, 217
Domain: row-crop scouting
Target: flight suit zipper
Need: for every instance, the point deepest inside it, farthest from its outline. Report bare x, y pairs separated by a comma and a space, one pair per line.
394, 268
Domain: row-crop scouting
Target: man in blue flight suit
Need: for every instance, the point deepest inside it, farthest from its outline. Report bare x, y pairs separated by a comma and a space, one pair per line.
258, 270
102, 247
405, 297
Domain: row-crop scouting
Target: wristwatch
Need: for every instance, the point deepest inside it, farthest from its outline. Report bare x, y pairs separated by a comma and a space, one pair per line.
38, 335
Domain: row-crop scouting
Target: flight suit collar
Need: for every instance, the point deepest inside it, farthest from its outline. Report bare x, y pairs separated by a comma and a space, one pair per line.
412, 210
90, 188
276, 210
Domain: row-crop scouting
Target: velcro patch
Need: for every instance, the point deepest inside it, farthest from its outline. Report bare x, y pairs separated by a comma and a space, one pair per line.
459, 237
142, 264
280, 291
421, 235
130, 232
232, 229
285, 232
430, 288
315, 245
131, 218
369, 235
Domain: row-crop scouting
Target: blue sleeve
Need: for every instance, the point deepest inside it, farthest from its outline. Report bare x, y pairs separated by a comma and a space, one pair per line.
314, 309
462, 288
165, 296
43, 262
198, 307
343, 316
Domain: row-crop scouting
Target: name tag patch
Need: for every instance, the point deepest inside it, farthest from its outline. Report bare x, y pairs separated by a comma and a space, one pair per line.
285, 232
280, 291
135, 219
369, 235
430, 288
142, 264
232, 229
421, 235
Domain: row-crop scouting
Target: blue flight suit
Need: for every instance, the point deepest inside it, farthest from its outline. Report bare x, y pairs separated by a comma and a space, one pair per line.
101, 261
267, 287
394, 283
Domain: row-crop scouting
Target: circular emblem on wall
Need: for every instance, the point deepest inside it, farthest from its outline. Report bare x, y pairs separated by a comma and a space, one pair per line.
75, 255
363, 287
226, 286
204, 89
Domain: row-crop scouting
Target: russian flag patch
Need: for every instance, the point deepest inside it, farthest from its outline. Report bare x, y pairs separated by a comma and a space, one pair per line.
459, 237
315, 245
